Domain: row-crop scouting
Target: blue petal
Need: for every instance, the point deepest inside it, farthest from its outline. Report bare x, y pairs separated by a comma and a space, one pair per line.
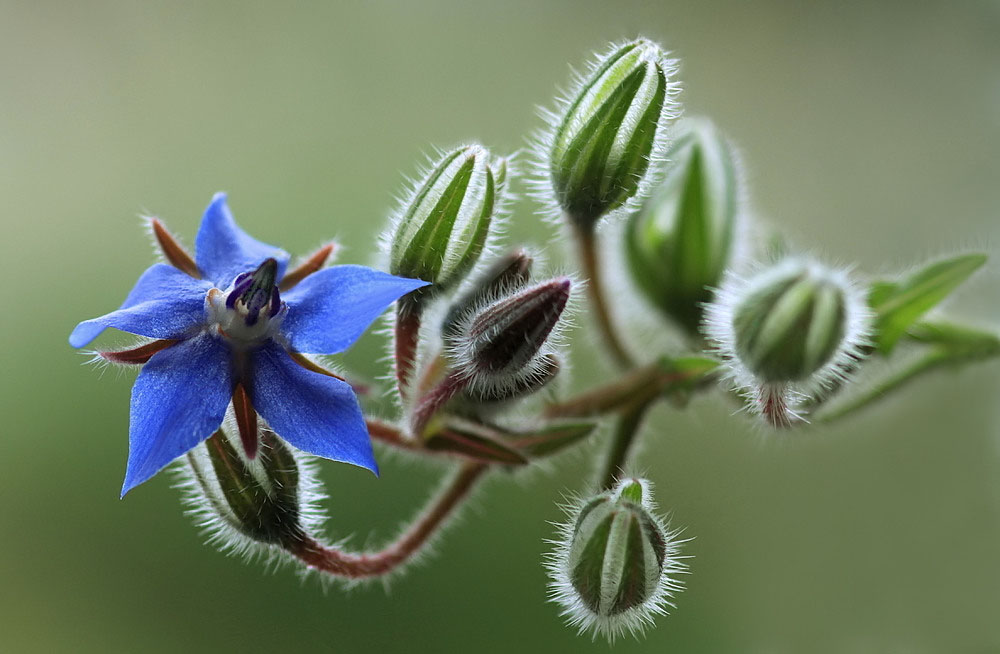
223, 250
164, 303
179, 400
330, 309
315, 413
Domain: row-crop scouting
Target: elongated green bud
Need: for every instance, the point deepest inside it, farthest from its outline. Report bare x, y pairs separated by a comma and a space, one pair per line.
797, 325
612, 569
445, 223
249, 504
597, 155
683, 239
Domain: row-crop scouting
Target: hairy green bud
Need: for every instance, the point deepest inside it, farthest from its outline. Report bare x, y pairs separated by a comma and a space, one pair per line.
683, 239
445, 224
596, 157
795, 325
611, 571
250, 505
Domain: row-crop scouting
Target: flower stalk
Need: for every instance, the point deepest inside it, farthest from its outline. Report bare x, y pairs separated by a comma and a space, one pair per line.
586, 239
407, 335
626, 431
332, 561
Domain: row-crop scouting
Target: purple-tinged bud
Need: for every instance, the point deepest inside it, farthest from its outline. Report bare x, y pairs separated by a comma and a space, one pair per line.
596, 157
509, 333
614, 564
503, 347
507, 274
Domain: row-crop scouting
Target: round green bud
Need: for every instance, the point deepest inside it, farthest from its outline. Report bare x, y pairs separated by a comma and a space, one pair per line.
597, 154
796, 325
443, 227
679, 244
611, 571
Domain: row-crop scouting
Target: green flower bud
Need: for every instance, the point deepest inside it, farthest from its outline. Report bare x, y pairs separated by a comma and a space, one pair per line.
597, 153
444, 225
249, 505
796, 325
613, 564
683, 239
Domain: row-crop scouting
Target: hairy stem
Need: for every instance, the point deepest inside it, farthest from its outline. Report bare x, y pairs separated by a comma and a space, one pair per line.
391, 435
646, 382
625, 434
434, 400
407, 333
587, 244
610, 397
359, 566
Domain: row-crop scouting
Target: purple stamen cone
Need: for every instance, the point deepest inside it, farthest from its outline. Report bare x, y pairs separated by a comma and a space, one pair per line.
256, 291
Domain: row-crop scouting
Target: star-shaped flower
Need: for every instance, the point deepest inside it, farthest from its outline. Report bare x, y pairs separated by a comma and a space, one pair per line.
233, 327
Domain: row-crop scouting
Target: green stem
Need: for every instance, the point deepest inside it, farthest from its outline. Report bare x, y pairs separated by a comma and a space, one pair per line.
587, 242
646, 382
626, 431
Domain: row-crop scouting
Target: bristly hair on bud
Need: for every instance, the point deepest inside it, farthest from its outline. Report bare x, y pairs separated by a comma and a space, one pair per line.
251, 507
788, 331
605, 139
504, 346
450, 215
615, 564
506, 274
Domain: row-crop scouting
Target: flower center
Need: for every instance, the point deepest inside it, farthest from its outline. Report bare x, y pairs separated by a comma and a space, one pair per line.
251, 310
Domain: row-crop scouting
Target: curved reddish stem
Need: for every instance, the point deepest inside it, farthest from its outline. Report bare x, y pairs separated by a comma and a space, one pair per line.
407, 333
359, 566
452, 384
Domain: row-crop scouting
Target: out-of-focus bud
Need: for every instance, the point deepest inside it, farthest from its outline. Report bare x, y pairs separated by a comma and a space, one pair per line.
611, 571
597, 154
444, 225
500, 351
797, 325
683, 239
246, 503
507, 274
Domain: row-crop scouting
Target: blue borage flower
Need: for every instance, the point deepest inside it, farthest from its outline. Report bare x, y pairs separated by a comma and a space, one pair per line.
233, 328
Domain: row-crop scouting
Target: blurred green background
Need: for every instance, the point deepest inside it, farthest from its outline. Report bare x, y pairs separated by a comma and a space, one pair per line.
871, 132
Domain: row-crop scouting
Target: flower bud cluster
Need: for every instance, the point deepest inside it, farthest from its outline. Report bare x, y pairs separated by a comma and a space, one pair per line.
614, 566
